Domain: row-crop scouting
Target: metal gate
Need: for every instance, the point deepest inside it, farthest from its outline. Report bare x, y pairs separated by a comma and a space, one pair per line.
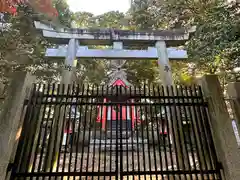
152, 133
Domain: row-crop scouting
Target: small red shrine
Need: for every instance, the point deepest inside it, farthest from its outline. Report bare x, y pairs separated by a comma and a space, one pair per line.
110, 116
128, 114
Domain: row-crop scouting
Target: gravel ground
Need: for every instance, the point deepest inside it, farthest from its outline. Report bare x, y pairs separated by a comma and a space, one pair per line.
101, 161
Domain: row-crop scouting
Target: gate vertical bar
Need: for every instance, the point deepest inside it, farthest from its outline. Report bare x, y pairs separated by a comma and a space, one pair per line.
170, 143
147, 93
178, 133
212, 157
137, 114
105, 133
120, 119
174, 134
29, 131
44, 128
202, 131
90, 129
192, 119
23, 137
153, 132
84, 131
118, 175
165, 118
183, 117
111, 132
95, 132
158, 129
80, 92
35, 145
133, 126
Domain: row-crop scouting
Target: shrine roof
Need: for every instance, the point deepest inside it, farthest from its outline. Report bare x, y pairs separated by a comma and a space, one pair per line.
119, 82
99, 36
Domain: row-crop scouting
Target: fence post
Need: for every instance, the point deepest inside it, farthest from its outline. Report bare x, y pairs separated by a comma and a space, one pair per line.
18, 90
221, 127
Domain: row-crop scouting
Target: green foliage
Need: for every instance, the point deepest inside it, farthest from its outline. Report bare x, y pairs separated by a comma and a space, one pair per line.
112, 19
22, 49
214, 48
141, 16
217, 41
91, 71
83, 19
65, 16
142, 71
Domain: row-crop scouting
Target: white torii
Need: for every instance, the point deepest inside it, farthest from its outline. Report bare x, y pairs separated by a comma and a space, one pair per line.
156, 42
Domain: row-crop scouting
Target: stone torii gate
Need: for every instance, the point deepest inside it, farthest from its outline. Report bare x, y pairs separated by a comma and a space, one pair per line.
154, 45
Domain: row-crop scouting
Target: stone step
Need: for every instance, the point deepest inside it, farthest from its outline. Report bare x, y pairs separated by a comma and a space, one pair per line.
120, 141
114, 147
115, 134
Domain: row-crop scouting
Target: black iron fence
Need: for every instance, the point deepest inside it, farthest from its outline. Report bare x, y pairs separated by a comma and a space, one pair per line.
115, 133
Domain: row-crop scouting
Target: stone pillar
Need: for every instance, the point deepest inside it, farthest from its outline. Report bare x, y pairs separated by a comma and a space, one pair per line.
68, 74
118, 45
59, 122
10, 122
163, 63
221, 127
174, 119
233, 91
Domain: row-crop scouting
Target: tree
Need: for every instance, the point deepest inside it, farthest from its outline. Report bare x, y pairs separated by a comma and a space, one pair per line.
83, 19
23, 48
216, 42
141, 16
112, 19
142, 72
43, 6
214, 48
65, 16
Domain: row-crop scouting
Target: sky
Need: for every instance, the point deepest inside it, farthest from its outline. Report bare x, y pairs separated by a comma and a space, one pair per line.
98, 7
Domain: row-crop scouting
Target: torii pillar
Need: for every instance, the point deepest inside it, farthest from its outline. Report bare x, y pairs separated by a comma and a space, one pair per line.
163, 63
167, 81
68, 75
